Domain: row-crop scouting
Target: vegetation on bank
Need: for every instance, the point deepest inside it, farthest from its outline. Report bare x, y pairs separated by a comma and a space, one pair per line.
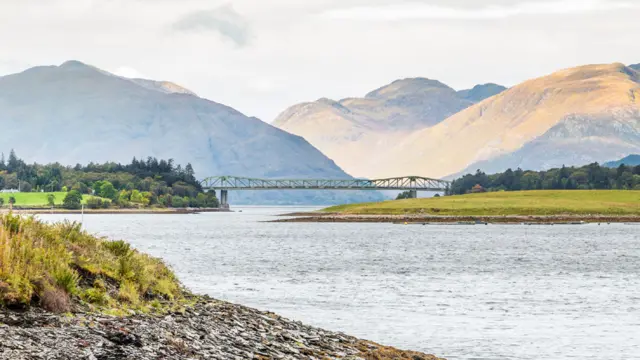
542, 202
589, 177
59, 267
140, 184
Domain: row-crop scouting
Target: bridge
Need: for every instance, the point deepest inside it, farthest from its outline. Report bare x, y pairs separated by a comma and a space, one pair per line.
413, 184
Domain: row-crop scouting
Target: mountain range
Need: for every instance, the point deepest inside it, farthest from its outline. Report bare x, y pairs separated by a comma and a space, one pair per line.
571, 117
357, 132
76, 113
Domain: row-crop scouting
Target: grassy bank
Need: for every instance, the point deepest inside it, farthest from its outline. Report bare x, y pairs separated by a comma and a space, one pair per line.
547, 202
59, 267
36, 199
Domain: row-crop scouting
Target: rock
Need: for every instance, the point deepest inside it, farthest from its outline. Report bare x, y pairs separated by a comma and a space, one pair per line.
209, 329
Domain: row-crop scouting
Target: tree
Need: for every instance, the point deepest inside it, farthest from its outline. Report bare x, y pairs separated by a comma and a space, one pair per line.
107, 190
404, 195
51, 200
12, 201
73, 200
1, 202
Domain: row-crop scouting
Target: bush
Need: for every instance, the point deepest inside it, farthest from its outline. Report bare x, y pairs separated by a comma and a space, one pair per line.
55, 300
98, 203
73, 200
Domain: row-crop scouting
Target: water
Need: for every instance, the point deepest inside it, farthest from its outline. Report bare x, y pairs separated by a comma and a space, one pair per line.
462, 292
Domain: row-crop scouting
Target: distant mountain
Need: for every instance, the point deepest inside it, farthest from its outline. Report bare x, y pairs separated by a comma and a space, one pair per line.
635, 67
355, 132
631, 160
572, 117
76, 113
481, 92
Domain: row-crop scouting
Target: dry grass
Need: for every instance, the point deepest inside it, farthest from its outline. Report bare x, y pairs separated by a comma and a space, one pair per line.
48, 265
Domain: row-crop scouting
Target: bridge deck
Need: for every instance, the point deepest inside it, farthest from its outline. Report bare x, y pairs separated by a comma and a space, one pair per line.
416, 183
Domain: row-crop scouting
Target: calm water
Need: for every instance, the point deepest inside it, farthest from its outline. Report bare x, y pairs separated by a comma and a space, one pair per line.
463, 292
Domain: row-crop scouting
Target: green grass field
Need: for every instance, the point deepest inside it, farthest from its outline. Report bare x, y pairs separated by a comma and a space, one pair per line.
34, 199
547, 202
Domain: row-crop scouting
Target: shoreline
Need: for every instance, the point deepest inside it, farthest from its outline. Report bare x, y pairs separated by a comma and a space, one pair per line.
44, 211
314, 217
207, 329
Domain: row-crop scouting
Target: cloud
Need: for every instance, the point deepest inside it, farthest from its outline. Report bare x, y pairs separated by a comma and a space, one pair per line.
420, 11
223, 20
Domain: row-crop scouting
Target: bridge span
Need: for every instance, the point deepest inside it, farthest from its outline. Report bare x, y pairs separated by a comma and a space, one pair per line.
413, 184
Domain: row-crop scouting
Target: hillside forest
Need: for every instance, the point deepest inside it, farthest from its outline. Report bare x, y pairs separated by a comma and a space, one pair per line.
590, 177
139, 184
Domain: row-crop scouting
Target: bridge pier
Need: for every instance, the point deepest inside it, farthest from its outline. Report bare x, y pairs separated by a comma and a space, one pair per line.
413, 194
224, 199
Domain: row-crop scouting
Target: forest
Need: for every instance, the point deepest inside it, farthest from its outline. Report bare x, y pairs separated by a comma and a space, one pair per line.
590, 177
141, 183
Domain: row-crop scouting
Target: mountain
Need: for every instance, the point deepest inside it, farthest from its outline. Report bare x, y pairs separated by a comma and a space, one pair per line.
355, 132
76, 113
631, 160
635, 67
572, 117
481, 92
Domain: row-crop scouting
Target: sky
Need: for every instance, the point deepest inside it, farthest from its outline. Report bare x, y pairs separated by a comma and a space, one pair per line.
261, 56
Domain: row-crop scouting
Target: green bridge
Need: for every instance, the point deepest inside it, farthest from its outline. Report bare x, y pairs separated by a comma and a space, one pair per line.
413, 184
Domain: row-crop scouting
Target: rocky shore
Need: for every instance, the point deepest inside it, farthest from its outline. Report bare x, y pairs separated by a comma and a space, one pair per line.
435, 219
208, 329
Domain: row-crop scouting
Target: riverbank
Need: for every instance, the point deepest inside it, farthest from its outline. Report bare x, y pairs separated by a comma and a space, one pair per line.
166, 211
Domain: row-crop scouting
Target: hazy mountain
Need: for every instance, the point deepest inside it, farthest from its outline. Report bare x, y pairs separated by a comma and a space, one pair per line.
572, 117
356, 131
635, 67
77, 113
631, 160
481, 92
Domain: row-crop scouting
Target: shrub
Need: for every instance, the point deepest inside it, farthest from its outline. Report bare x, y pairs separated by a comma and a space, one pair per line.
98, 203
73, 200
96, 296
55, 300
67, 279
128, 293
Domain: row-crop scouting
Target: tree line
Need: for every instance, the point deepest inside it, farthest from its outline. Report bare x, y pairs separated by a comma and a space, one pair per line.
592, 176
146, 182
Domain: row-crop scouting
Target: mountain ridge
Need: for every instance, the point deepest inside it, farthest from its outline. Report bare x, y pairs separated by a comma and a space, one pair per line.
559, 108
353, 130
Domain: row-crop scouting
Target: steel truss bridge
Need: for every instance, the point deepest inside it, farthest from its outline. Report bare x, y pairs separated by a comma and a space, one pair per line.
413, 184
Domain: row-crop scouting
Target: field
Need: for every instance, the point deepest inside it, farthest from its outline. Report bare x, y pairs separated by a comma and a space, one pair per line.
34, 199
546, 202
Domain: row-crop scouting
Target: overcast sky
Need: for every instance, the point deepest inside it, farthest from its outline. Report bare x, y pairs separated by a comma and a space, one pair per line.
260, 56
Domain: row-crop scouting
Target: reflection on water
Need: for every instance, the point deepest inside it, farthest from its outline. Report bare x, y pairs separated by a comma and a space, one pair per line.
468, 292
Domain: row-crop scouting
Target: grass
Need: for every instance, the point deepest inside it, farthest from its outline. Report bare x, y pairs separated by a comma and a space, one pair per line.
546, 202
33, 199
59, 267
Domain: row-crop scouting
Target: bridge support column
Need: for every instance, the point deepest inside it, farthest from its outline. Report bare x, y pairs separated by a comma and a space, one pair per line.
224, 199
413, 194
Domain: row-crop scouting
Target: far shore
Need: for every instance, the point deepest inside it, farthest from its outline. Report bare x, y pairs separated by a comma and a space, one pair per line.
318, 217
38, 211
